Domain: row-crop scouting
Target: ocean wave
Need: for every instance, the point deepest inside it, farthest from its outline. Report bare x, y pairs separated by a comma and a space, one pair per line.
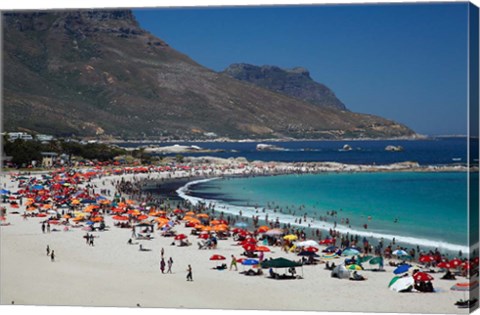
283, 218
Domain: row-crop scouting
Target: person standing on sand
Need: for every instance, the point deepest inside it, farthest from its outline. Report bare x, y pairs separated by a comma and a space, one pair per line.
189, 273
48, 250
162, 265
48, 227
233, 263
169, 264
162, 252
52, 256
43, 227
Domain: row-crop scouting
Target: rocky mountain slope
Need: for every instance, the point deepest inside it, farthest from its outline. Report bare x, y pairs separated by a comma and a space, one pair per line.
294, 82
98, 73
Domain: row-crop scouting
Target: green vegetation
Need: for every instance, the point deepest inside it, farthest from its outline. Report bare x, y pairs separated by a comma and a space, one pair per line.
24, 152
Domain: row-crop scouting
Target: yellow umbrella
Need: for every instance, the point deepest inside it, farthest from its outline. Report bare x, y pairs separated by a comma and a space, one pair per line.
290, 237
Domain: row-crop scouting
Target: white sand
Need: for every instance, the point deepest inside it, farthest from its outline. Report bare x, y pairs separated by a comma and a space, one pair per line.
113, 273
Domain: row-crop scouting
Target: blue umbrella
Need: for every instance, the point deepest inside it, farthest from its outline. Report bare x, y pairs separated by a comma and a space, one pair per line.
88, 201
330, 249
90, 223
250, 262
401, 269
350, 252
37, 187
4, 191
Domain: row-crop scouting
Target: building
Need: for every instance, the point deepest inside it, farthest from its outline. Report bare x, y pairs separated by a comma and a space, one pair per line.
49, 159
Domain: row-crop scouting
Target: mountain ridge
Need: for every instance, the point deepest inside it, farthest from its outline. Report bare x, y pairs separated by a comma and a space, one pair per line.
295, 82
98, 73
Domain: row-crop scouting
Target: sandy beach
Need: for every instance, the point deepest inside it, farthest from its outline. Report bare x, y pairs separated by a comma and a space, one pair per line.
113, 273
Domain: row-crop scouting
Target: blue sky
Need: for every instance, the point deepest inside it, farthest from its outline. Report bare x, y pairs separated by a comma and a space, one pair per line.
406, 62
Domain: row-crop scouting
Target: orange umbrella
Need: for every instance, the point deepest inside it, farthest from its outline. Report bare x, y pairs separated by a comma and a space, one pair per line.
130, 201
47, 206
31, 208
120, 218
75, 202
207, 228
263, 229
262, 249
161, 220
66, 216
142, 217
76, 219
219, 228
202, 215
96, 219
215, 222
190, 213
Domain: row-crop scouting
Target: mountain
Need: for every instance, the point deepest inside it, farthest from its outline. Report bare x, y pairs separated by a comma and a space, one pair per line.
294, 82
97, 72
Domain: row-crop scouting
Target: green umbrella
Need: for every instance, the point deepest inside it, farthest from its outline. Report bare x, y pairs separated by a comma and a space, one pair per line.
364, 259
394, 279
376, 260
354, 267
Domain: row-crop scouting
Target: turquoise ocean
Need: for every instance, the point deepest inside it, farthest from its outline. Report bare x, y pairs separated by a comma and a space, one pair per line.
427, 209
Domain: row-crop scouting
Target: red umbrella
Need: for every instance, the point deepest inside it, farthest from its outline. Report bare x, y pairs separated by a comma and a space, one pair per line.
422, 277
142, 217
455, 262
444, 264
203, 236
217, 257
177, 211
311, 249
466, 265
426, 259
327, 241
180, 237
249, 247
262, 249
475, 260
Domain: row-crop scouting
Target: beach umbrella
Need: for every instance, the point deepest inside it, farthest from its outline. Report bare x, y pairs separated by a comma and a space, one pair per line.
455, 262
202, 216
350, 252
394, 279
290, 237
249, 247
330, 249
422, 277
190, 213
274, 232
217, 257
376, 260
4, 192
465, 286
120, 218
444, 265
354, 267
249, 262
311, 249
403, 284
262, 249
180, 237
327, 241
142, 217
401, 269
178, 211
263, 229
426, 259
363, 259
400, 252
330, 256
